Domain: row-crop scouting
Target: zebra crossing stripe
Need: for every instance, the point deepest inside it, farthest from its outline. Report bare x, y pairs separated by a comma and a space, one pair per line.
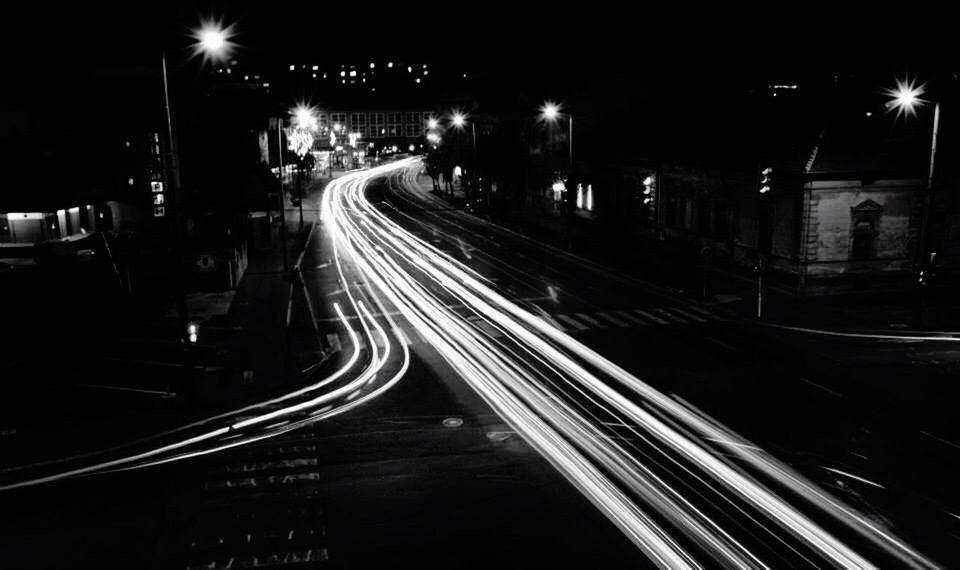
653, 318
613, 319
577, 325
670, 315
703, 312
633, 319
592, 320
690, 316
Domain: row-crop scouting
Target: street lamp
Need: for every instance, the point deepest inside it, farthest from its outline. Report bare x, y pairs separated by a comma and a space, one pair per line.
550, 112
905, 98
213, 43
459, 121
305, 123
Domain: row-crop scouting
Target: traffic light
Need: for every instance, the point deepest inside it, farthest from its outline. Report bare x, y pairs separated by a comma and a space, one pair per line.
766, 180
192, 331
649, 193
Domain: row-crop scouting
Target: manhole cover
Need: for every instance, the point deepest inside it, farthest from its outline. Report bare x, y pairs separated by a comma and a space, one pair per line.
452, 422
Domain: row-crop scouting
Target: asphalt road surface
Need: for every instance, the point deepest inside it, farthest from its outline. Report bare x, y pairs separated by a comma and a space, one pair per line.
475, 398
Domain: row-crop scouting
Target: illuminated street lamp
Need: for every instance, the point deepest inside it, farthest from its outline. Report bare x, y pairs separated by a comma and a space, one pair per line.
300, 141
905, 98
213, 43
550, 112
459, 121
432, 123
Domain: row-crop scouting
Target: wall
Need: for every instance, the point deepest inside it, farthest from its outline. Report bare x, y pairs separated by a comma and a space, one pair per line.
829, 231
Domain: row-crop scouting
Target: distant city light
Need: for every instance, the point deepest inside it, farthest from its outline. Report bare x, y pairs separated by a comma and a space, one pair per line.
412, 148
409, 69
389, 64
432, 123
343, 73
418, 80
372, 65
458, 119
316, 67
292, 67
353, 73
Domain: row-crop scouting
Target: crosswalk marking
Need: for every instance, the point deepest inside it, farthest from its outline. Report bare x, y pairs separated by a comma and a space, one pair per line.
690, 315
703, 312
633, 319
653, 318
592, 320
670, 315
577, 325
613, 319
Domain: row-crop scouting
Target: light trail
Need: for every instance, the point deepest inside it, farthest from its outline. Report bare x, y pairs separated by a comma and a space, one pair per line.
352, 391
560, 396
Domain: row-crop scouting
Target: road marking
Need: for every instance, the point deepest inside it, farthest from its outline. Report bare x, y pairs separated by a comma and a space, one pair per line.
653, 318
703, 312
404, 339
554, 323
333, 340
632, 318
613, 319
577, 325
592, 320
690, 315
160, 393
670, 315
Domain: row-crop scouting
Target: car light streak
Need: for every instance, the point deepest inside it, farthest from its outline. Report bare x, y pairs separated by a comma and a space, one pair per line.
545, 383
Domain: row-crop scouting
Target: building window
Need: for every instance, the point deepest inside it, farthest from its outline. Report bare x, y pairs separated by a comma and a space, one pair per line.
864, 222
376, 125
394, 124
863, 238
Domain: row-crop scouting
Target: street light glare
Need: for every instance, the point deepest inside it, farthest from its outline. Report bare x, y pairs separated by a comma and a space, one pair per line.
304, 117
213, 40
905, 97
550, 111
432, 123
458, 119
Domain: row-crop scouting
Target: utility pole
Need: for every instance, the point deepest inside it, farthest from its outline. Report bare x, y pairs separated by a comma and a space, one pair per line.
283, 200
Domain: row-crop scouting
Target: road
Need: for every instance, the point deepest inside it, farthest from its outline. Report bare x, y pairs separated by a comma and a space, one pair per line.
475, 391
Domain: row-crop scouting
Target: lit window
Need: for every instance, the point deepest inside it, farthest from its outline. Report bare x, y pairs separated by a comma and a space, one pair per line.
130, 181
316, 67
292, 67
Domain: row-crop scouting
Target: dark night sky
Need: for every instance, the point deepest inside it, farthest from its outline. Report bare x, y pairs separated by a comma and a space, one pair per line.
508, 37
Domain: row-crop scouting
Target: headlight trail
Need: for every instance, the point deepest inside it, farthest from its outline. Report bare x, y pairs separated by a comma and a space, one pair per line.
355, 391
562, 397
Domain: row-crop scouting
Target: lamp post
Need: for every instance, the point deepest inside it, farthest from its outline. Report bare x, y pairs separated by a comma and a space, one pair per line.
550, 112
305, 121
905, 98
283, 199
213, 44
459, 121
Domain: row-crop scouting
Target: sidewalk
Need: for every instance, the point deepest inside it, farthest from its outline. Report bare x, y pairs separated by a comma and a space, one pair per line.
259, 357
